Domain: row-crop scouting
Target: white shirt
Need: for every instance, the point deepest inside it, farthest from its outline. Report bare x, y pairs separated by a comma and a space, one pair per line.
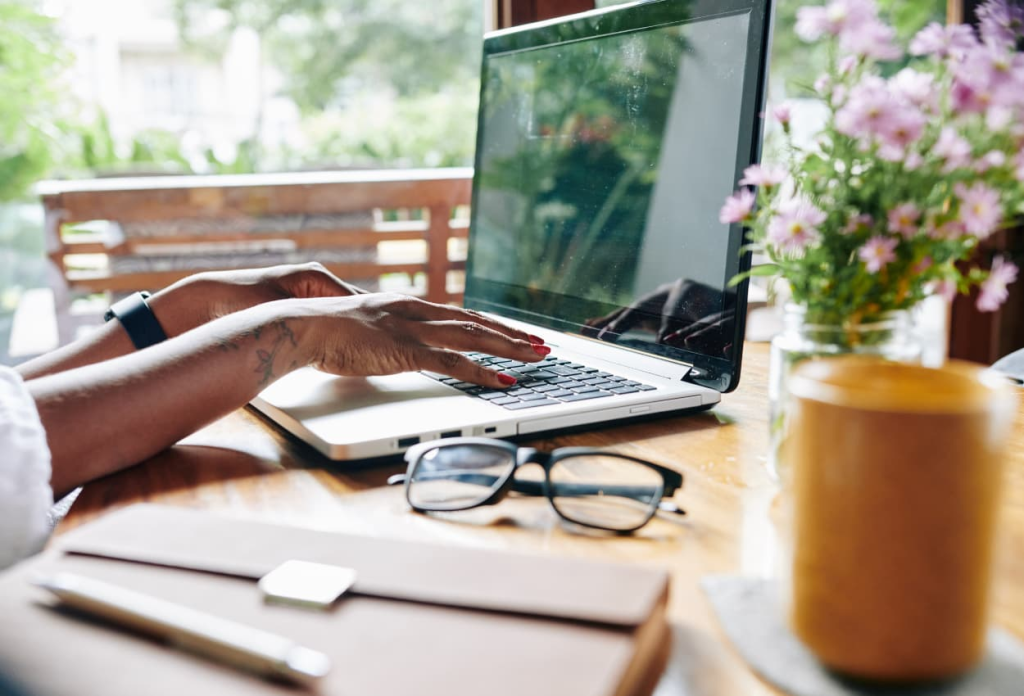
25, 493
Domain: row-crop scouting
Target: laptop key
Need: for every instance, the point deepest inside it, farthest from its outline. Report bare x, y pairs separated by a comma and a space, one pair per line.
585, 389
624, 390
583, 397
492, 395
464, 386
544, 387
608, 384
505, 401
645, 387
518, 391
529, 404
532, 396
543, 375
561, 370
559, 393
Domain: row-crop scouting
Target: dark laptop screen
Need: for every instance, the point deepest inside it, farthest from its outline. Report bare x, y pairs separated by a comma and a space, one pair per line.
603, 158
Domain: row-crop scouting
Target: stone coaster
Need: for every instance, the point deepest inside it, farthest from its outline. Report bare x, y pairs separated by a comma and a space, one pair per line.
750, 612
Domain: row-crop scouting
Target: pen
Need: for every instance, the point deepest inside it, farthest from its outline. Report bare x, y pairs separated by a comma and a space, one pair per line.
219, 639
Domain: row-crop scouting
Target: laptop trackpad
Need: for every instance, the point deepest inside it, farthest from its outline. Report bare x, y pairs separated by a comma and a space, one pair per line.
309, 393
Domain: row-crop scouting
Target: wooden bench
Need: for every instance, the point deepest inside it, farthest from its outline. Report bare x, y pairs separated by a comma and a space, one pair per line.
116, 236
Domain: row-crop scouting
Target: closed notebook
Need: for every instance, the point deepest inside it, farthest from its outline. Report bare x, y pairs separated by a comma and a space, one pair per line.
420, 619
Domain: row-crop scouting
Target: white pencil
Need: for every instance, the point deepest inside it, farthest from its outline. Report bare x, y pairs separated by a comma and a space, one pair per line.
219, 639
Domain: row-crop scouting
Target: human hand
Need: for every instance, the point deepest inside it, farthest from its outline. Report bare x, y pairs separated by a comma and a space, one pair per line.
209, 295
388, 333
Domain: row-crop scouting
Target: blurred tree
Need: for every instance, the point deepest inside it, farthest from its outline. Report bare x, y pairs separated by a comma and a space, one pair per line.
331, 49
31, 60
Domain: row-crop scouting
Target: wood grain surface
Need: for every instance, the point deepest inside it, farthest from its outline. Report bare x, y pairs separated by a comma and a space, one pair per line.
243, 466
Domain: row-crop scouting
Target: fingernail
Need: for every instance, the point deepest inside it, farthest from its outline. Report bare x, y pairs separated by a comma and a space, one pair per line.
536, 340
541, 350
506, 379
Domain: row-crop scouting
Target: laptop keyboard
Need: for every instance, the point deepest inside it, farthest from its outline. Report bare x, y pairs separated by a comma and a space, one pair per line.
545, 383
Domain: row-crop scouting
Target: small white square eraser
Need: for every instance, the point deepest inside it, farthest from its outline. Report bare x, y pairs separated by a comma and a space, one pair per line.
315, 585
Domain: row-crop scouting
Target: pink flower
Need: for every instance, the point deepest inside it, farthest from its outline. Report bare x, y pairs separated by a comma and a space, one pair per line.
783, 113
738, 207
916, 87
835, 18
823, 85
903, 128
1018, 162
870, 110
945, 288
878, 252
913, 161
1000, 22
980, 210
988, 76
953, 148
921, 266
993, 158
935, 39
903, 219
846, 64
767, 176
993, 289
858, 223
795, 226
872, 39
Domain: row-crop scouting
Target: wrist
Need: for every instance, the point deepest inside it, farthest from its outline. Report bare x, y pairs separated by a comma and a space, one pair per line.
275, 334
182, 306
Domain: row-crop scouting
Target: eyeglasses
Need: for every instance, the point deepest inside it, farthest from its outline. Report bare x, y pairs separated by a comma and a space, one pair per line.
589, 487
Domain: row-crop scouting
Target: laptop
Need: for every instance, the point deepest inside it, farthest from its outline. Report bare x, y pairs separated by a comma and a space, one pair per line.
606, 144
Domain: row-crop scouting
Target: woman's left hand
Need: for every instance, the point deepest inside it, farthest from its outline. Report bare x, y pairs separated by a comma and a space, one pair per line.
205, 296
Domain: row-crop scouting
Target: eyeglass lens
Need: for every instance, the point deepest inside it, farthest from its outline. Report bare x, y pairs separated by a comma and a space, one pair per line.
593, 489
457, 477
605, 491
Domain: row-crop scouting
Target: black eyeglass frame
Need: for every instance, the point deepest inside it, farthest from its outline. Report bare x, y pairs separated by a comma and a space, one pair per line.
672, 480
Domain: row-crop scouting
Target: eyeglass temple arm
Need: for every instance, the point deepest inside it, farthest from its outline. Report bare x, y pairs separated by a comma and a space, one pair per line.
537, 487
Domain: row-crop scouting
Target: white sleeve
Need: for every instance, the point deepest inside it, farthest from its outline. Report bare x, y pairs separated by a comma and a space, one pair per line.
25, 494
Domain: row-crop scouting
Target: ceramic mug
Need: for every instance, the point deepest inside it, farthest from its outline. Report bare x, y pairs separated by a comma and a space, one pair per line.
894, 478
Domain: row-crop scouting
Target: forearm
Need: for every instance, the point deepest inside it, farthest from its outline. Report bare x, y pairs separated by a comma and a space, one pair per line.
173, 307
109, 415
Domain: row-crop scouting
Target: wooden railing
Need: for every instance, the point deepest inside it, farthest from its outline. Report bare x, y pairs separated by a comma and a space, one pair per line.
157, 230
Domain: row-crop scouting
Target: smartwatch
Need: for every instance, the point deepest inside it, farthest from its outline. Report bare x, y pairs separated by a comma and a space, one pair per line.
138, 320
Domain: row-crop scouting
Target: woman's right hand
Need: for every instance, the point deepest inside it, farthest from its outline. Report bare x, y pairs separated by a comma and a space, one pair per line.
388, 333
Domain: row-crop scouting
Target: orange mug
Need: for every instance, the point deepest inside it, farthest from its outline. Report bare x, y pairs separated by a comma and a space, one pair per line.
893, 478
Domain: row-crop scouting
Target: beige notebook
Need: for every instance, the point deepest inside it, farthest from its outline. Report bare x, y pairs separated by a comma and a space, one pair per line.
419, 620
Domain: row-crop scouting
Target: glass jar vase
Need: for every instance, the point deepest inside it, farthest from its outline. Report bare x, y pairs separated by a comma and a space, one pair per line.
890, 335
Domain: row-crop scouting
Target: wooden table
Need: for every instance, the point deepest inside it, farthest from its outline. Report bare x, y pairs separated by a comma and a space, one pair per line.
243, 467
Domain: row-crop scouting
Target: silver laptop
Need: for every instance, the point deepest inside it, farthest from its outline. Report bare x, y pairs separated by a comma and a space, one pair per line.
606, 144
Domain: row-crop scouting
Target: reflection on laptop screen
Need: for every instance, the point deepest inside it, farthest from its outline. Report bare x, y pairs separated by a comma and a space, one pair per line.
602, 164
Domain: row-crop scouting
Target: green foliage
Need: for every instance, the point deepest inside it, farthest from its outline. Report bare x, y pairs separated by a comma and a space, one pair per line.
332, 49
429, 130
30, 61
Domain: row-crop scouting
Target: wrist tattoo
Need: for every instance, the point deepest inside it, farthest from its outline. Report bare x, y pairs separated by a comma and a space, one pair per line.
282, 336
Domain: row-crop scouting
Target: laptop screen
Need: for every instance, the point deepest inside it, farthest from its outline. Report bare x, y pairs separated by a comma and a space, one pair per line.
605, 150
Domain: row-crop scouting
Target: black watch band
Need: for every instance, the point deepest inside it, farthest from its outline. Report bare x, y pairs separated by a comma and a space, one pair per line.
138, 320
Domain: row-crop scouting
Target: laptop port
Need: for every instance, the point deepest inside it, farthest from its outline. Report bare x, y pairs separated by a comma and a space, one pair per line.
452, 433
408, 442
491, 429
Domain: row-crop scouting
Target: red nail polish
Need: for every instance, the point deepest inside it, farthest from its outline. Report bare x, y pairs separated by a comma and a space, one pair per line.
506, 379
536, 340
541, 350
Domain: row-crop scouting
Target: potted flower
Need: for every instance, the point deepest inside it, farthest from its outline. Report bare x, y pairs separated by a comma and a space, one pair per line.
908, 175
